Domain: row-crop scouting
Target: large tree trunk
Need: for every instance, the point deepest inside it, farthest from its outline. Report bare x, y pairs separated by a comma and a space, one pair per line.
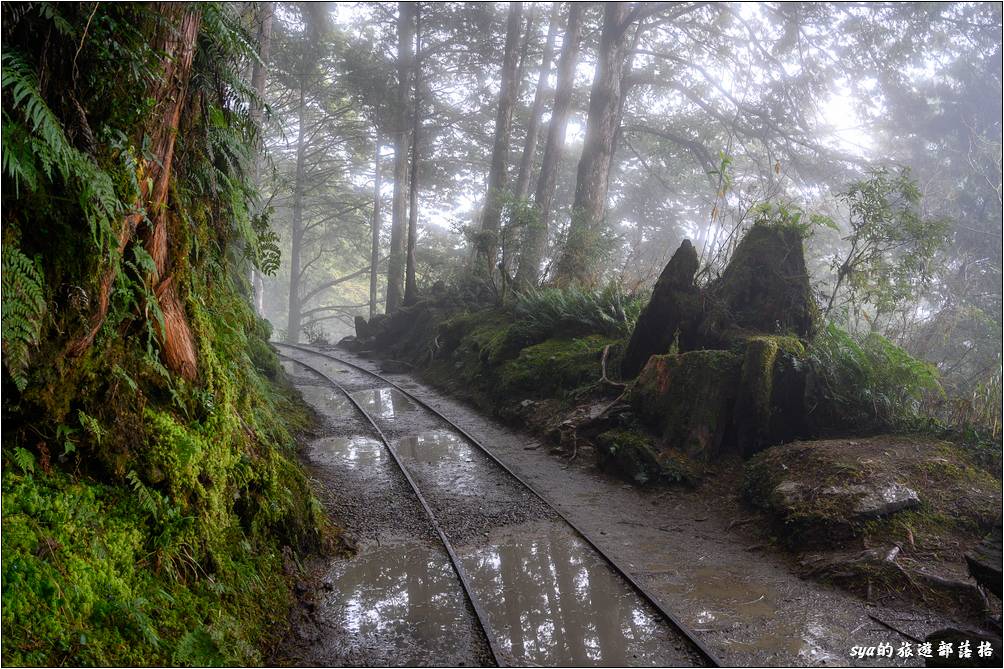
535, 238
410, 285
258, 72
296, 227
576, 264
396, 263
176, 42
498, 173
526, 160
375, 227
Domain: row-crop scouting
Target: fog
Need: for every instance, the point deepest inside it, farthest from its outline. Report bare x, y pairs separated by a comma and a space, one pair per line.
684, 120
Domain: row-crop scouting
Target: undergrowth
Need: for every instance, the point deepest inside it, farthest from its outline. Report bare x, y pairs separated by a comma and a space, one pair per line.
147, 519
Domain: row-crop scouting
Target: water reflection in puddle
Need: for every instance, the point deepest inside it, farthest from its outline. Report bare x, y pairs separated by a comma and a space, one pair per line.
431, 447
385, 403
553, 601
327, 400
402, 600
355, 452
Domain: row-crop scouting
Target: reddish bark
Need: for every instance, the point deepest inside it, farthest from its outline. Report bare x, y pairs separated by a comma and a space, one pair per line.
176, 41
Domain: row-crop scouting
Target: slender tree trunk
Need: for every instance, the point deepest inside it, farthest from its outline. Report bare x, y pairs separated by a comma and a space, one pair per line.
375, 227
396, 262
410, 285
526, 160
258, 73
296, 227
535, 239
497, 175
576, 264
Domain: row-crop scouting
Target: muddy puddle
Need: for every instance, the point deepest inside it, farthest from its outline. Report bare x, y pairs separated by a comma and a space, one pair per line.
398, 605
385, 403
732, 604
434, 447
353, 452
553, 601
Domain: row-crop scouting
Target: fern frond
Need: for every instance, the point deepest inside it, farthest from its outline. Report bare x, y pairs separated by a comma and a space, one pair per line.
23, 308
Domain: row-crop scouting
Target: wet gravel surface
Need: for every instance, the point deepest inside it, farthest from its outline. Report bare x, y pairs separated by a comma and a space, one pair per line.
400, 568
698, 552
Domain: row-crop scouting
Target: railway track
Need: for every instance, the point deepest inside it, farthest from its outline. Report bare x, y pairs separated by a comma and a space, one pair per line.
699, 653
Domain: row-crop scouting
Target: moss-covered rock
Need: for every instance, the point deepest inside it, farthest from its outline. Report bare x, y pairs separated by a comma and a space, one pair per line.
688, 399
763, 290
553, 367
824, 492
632, 455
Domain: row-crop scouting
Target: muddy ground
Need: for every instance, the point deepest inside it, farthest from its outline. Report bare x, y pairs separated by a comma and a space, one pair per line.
700, 551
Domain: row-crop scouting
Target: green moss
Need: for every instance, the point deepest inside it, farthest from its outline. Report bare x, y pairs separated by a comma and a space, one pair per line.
632, 455
553, 367
688, 399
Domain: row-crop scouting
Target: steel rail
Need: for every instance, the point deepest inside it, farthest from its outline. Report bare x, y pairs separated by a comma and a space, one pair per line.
667, 615
465, 583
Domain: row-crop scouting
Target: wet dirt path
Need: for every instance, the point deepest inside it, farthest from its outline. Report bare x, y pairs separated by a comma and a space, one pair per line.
550, 598
740, 595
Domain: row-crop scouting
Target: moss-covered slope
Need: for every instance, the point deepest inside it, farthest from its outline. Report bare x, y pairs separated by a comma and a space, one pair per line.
152, 505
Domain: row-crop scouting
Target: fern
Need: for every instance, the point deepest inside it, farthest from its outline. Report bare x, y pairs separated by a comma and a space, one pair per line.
571, 311
149, 500
23, 310
25, 460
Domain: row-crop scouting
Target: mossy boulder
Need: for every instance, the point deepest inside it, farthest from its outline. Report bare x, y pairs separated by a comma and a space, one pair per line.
912, 489
673, 311
688, 399
763, 290
553, 367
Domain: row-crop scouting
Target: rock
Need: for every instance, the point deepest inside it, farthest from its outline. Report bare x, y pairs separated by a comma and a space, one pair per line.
674, 308
876, 499
821, 493
984, 561
362, 328
688, 399
632, 456
763, 290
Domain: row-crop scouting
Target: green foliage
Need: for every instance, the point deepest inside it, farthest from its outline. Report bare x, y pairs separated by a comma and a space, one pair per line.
23, 311
784, 214
890, 245
553, 368
549, 312
145, 515
869, 382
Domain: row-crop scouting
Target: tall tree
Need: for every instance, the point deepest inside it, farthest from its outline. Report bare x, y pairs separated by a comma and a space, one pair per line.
526, 160
576, 264
410, 286
535, 237
498, 173
375, 226
296, 223
259, 70
396, 263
